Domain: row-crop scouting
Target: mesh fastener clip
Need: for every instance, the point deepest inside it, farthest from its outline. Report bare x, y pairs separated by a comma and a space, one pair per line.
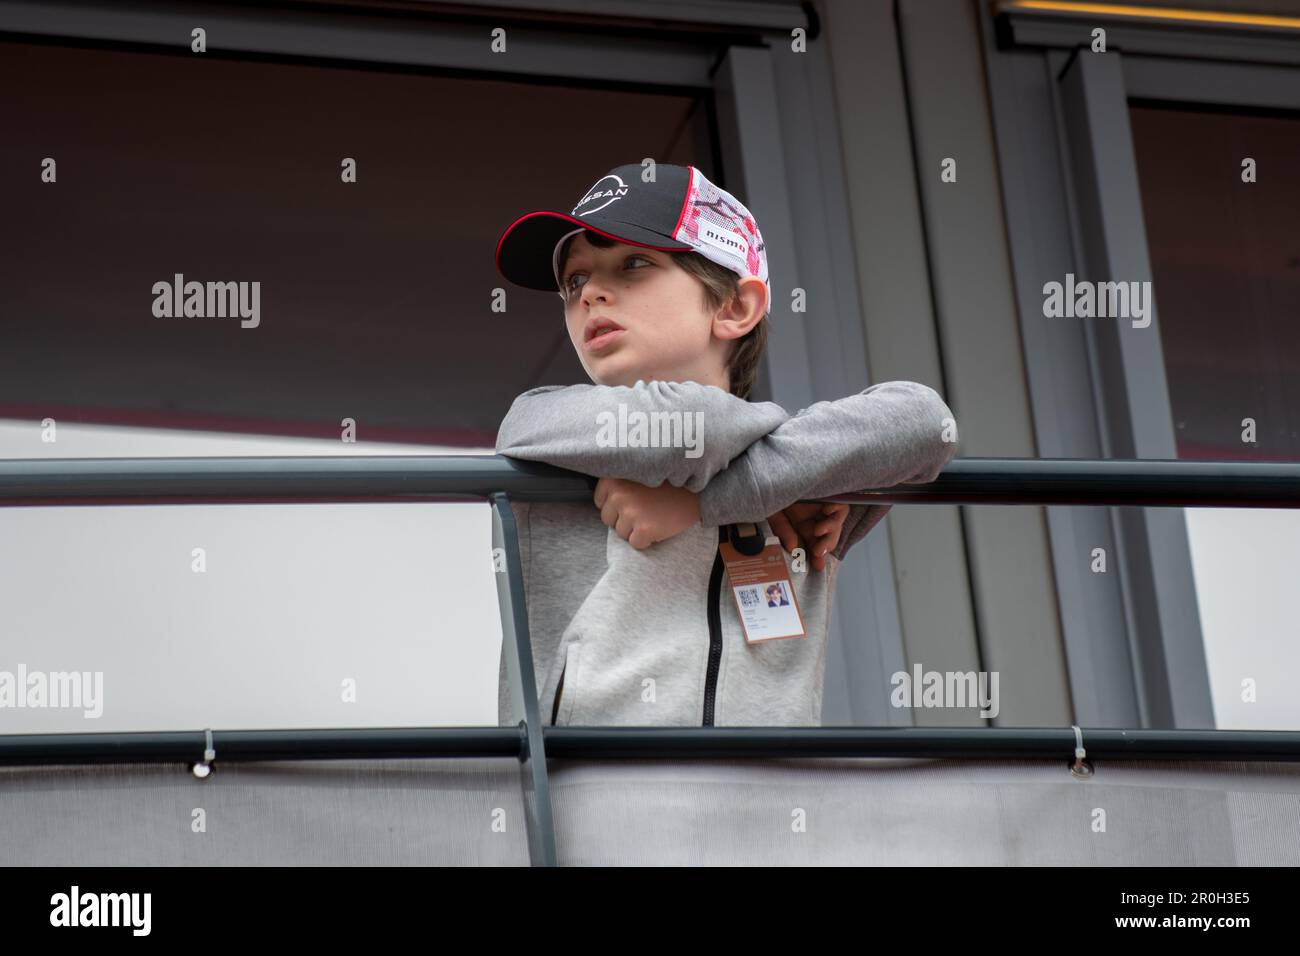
204, 767
1081, 767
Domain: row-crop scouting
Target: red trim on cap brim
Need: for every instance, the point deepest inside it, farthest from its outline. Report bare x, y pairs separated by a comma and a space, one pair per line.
690, 182
680, 247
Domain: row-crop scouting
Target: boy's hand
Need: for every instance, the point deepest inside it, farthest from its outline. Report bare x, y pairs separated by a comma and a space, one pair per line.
642, 515
817, 526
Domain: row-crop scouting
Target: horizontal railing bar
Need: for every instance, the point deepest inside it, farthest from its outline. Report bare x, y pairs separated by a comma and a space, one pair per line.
471, 477
947, 742
474, 477
1139, 482
599, 743
234, 746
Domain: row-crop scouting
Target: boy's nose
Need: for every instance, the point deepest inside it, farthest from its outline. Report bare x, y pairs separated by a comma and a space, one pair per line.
594, 289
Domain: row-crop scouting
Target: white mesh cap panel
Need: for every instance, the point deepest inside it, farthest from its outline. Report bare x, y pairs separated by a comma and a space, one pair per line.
722, 230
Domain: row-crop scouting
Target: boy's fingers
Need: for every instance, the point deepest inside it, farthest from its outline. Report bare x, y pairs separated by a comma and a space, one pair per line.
825, 544
609, 514
781, 528
833, 522
816, 560
835, 516
624, 527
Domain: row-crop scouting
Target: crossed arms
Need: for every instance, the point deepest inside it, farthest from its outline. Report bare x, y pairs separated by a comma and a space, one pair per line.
749, 460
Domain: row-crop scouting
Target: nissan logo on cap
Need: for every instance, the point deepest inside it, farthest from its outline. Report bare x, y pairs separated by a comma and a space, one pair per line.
613, 189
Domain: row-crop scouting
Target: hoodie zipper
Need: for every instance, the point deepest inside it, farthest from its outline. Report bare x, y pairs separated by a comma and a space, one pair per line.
555, 708
715, 640
715, 632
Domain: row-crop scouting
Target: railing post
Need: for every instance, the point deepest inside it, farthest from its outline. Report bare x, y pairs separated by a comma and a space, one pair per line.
516, 645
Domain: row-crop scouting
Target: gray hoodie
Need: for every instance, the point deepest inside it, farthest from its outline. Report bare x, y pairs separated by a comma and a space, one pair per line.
653, 637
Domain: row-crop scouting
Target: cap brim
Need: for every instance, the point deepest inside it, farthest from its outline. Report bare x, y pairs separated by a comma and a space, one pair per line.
525, 250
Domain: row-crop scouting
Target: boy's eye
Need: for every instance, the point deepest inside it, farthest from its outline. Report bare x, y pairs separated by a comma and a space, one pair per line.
568, 281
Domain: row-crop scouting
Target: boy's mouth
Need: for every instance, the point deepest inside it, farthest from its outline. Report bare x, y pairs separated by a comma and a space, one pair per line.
598, 325
600, 332
602, 339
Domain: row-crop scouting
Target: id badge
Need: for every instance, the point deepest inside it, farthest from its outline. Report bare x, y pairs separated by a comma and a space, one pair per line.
760, 586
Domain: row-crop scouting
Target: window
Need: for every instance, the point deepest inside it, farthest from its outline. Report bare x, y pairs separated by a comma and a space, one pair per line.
374, 304
374, 297
1225, 259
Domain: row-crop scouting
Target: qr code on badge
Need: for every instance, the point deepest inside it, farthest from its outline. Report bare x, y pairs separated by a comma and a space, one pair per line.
749, 597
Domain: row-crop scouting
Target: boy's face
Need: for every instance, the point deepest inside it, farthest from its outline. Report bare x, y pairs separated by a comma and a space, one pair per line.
668, 333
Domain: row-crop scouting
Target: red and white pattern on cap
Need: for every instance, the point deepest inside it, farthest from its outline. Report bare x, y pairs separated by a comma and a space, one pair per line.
724, 212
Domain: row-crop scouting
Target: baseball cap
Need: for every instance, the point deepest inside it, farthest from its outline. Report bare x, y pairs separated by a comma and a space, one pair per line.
680, 211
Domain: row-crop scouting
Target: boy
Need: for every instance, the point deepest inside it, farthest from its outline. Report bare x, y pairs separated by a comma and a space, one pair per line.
666, 296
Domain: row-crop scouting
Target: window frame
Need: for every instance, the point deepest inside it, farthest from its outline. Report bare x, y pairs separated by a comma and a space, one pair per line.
1098, 388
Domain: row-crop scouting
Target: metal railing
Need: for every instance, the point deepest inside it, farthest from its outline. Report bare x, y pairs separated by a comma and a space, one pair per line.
498, 480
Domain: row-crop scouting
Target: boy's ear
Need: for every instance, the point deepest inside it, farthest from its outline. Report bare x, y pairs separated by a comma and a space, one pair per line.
746, 308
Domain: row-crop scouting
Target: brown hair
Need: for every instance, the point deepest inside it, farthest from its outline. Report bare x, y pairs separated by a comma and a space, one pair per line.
721, 285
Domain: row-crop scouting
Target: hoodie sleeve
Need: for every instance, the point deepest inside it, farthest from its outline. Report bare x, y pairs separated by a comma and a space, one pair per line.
577, 427
889, 434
